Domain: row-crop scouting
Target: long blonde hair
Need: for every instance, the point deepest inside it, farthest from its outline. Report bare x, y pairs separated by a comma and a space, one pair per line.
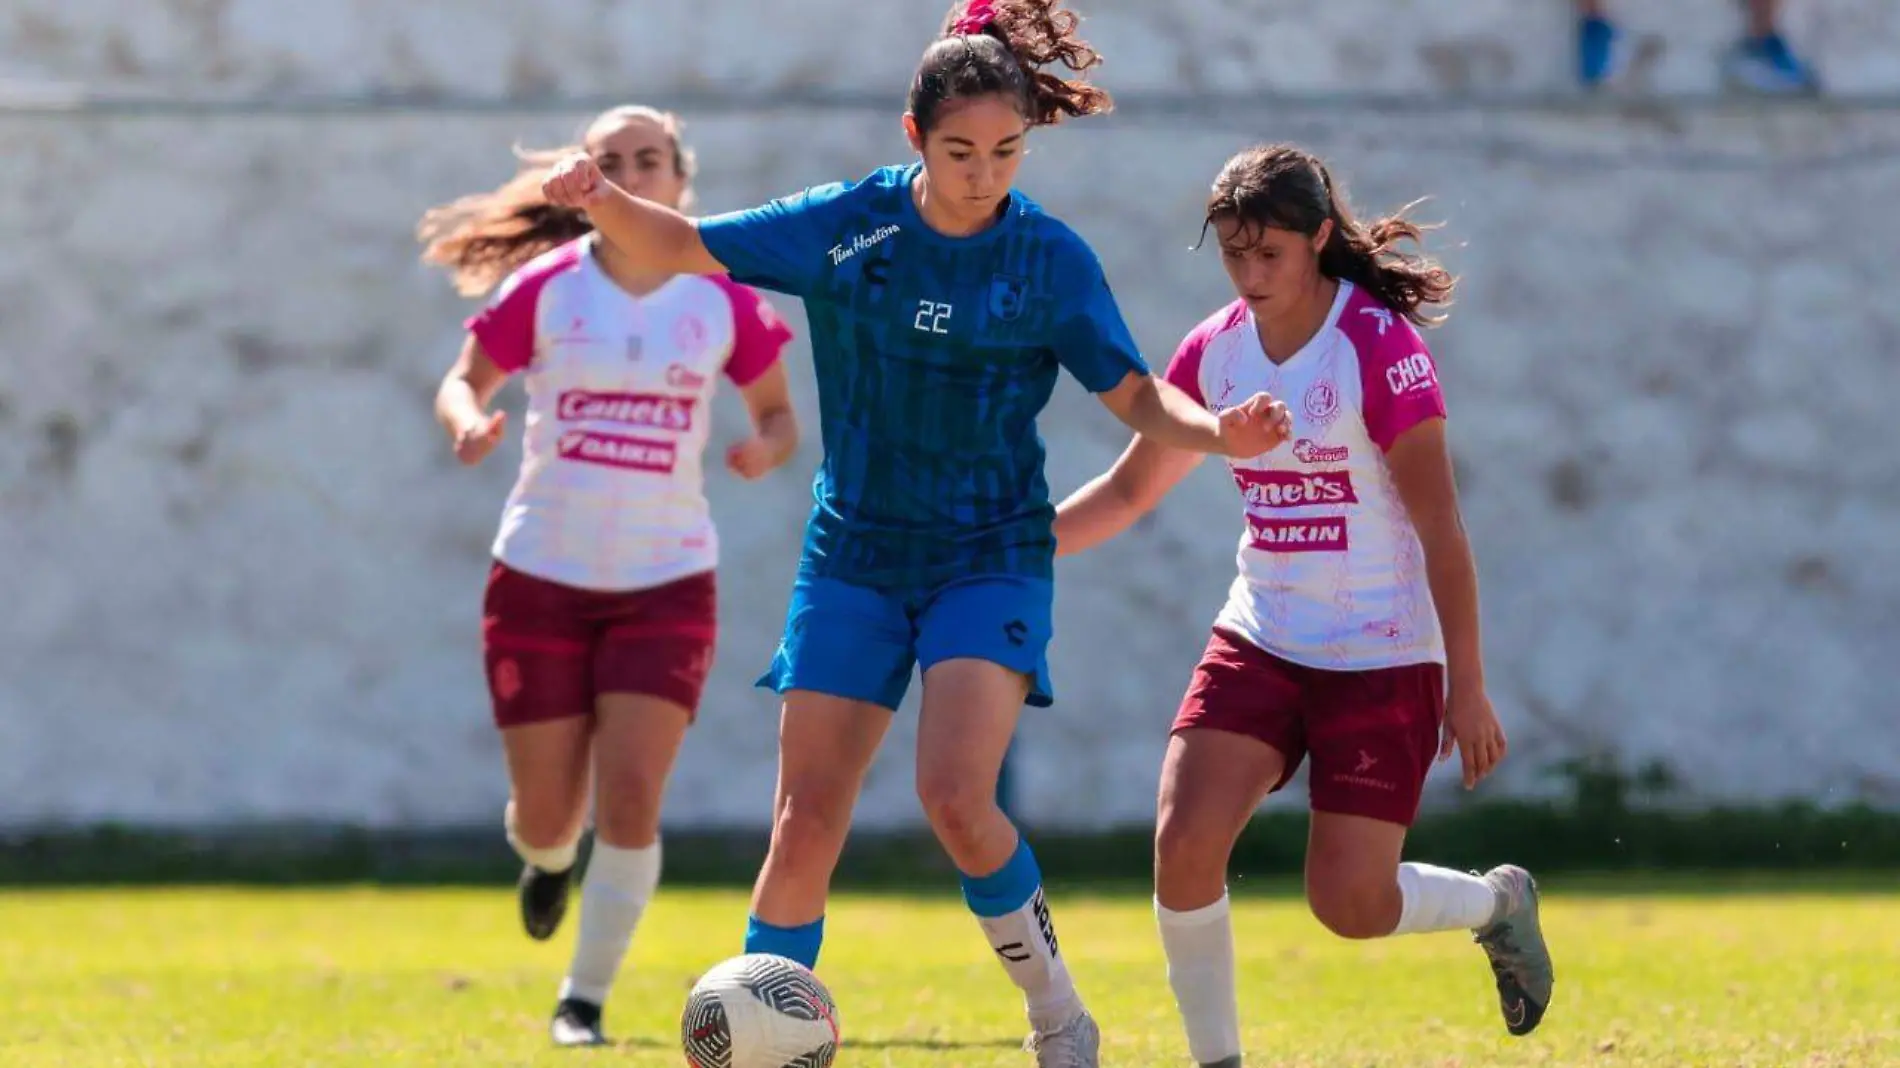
481, 238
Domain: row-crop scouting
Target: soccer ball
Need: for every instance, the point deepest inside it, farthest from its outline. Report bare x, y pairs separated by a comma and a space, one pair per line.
759, 1011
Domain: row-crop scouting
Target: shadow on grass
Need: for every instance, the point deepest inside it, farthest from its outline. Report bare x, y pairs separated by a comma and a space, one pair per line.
931, 1043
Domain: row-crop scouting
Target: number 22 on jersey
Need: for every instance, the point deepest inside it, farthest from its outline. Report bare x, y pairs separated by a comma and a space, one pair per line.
931, 316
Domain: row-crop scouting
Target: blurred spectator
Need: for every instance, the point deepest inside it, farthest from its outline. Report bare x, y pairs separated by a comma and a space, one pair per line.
1761, 61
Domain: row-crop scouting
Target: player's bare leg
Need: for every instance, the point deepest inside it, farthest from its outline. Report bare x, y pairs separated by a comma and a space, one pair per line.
826, 744
969, 715
1358, 889
1211, 783
635, 743
548, 777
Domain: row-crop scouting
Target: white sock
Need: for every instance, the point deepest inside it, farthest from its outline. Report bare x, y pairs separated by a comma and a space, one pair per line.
557, 859
1439, 899
618, 886
1025, 941
1200, 948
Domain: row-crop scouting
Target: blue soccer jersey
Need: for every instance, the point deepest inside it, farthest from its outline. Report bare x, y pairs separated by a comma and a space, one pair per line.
934, 355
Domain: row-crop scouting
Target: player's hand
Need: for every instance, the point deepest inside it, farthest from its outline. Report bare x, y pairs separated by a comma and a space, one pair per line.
575, 182
1257, 425
1473, 727
752, 458
478, 439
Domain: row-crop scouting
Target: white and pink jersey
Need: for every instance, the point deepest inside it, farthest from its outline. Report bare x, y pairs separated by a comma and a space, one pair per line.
1332, 574
611, 493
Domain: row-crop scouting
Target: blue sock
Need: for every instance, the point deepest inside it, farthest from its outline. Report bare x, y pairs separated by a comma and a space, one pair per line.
798, 943
1008, 888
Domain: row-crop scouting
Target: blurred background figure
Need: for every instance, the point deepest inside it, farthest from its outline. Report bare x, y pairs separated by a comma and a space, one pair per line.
601, 610
1760, 61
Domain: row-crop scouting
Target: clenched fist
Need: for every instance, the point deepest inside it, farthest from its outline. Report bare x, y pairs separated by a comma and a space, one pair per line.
575, 182
1258, 425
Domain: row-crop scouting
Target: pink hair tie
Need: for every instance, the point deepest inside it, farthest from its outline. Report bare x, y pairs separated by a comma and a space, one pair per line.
976, 18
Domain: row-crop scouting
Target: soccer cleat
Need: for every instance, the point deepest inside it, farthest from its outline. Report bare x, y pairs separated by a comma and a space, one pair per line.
543, 900
576, 1023
1226, 1062
1076, 1044
1515, 944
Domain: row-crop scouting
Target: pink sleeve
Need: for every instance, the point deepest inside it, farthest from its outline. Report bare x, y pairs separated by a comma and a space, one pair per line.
758, 334
1184, 370
506, 326
1397, 377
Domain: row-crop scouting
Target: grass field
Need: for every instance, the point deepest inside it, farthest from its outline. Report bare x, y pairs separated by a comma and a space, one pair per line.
1722, 974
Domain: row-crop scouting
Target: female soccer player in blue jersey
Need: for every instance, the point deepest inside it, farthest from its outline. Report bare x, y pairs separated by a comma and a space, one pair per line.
942, 304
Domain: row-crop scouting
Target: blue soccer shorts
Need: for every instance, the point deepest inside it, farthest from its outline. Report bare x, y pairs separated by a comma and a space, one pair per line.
859, 643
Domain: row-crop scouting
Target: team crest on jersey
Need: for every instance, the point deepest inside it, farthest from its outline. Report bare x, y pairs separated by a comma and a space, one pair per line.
690, 333
1321, 402
1008, 294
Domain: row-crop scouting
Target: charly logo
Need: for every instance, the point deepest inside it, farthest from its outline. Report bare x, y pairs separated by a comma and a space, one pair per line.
575, 334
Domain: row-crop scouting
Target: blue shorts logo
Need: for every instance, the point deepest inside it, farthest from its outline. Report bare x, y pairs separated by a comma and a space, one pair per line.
1015, 631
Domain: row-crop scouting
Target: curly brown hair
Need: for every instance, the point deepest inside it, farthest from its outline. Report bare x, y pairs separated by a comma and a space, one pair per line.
1007, 46
483, 237
1289, 188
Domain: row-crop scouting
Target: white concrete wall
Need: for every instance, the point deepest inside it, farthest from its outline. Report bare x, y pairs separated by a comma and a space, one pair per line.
244, 573
237, 48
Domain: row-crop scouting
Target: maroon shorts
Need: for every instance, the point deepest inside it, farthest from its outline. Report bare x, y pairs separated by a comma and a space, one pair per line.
1372, 734
550, 649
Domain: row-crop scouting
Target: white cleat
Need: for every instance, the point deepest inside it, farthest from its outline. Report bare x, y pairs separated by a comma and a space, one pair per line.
1076, 1044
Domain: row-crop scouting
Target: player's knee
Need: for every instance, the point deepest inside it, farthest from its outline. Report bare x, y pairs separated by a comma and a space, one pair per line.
627, 814
1184, 847
543, 823
809, 828
1355, 909
957, 806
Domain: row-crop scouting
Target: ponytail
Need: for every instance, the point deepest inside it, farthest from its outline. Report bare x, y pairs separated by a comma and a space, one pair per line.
1007, 47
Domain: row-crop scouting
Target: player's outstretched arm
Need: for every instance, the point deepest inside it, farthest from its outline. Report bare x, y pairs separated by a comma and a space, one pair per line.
1156, 408
651, 234
1112, 501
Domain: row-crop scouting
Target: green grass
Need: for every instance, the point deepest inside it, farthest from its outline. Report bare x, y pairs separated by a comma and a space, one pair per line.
1770, 975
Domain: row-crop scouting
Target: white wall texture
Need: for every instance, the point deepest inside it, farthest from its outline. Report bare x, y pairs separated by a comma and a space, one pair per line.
243, 572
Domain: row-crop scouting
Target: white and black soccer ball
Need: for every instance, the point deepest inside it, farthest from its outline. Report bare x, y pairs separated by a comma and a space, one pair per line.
759, 1011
